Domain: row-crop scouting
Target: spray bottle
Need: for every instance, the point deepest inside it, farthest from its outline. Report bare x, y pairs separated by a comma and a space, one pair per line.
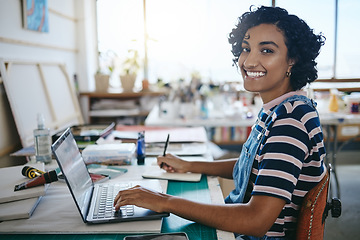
42, 141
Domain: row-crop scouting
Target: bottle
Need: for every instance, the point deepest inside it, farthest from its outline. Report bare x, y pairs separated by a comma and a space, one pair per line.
333, 105
141, 148
42, 141
204, 110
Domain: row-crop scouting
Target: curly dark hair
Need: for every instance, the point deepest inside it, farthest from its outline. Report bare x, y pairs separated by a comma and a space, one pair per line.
302, 44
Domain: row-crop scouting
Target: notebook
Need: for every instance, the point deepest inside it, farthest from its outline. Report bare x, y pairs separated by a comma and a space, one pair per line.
11, 176
85, 193
158, 173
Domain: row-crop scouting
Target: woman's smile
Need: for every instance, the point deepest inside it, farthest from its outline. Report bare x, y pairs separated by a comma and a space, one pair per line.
253, 74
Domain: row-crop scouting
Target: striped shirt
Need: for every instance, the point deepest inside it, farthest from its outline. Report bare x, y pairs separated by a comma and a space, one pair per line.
290, 160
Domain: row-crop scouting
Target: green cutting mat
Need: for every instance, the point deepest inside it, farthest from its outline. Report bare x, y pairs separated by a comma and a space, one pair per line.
192, 191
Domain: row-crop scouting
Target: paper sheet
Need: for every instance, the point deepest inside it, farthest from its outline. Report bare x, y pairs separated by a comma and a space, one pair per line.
153, 171
185, 134
158, 173
180, 149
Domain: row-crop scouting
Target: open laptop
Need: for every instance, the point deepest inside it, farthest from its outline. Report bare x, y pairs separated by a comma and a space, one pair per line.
86, 194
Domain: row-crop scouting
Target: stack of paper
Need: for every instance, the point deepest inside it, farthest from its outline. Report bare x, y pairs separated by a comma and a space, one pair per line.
183, 141
19, 204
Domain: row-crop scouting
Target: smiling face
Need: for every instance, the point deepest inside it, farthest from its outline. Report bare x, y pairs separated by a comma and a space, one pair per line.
264, 62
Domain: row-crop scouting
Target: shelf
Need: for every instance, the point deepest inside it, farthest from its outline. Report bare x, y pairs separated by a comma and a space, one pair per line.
118, 113
120, 94
115, 105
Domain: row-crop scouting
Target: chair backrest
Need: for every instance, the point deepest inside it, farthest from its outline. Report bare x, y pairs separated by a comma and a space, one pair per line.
311, 223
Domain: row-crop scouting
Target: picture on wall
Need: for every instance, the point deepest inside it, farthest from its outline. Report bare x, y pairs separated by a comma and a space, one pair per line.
36, 15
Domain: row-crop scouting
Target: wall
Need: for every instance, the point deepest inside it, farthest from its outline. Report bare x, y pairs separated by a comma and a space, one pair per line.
71, 40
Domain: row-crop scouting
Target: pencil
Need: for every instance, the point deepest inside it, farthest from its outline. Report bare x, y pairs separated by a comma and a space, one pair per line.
166, 145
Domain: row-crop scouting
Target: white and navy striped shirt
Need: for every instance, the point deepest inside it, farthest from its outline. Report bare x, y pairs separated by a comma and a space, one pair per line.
290, 160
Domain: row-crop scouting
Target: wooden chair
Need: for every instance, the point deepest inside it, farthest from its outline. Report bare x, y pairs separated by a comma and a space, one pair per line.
314, 210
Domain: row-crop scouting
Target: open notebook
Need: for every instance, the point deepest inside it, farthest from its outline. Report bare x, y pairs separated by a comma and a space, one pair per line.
87, 195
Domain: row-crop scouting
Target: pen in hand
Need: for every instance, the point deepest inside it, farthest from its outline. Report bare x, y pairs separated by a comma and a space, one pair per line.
166, 145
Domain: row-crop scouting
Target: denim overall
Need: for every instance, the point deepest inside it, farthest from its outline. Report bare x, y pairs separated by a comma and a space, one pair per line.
243, 166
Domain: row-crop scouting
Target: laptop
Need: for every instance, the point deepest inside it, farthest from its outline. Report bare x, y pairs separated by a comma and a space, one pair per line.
87, 195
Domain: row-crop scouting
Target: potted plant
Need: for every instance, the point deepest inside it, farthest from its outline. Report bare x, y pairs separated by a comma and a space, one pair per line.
130, 69
102, 81
104, 72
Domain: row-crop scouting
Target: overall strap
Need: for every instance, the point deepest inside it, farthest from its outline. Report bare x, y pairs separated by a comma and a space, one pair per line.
306, 100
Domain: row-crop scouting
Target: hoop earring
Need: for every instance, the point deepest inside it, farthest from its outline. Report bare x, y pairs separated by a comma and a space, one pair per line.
288, 74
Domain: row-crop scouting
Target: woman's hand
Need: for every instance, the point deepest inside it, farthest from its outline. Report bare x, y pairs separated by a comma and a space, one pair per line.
172, 163
141, 197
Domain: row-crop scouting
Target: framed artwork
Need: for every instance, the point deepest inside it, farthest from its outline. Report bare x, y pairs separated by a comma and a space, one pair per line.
36, 15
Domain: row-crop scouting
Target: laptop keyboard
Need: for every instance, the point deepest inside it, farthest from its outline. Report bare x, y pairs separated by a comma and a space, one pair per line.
104, 204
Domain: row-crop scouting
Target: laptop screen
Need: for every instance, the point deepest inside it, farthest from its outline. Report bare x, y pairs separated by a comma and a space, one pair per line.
74, 169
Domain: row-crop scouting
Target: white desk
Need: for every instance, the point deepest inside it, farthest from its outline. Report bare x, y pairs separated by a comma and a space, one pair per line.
154, 119
339, 118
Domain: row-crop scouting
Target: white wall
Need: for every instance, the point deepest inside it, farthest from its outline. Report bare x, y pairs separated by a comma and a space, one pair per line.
71, 40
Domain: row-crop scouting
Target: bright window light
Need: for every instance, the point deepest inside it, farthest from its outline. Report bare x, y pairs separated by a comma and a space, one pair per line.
187, 36
320, 15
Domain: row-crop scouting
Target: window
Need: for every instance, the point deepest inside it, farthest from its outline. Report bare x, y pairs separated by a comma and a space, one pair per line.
320, 15
186, 36
348, 50
192, 37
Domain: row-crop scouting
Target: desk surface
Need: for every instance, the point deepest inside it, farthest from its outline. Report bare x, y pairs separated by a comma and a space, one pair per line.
339, 118
198, 191
207, 191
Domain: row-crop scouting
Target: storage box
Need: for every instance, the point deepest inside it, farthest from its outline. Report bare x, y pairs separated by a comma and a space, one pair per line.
110, 154
347, 131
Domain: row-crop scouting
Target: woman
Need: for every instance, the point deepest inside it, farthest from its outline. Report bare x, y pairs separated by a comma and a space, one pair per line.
283, 156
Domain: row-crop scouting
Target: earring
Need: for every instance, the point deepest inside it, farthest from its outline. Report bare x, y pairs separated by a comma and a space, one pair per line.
288, 74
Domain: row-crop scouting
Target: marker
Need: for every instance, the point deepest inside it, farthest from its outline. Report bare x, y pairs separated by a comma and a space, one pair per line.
166, 145
47, 177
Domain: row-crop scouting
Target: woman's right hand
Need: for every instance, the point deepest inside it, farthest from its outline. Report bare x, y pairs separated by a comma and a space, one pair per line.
172, 163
